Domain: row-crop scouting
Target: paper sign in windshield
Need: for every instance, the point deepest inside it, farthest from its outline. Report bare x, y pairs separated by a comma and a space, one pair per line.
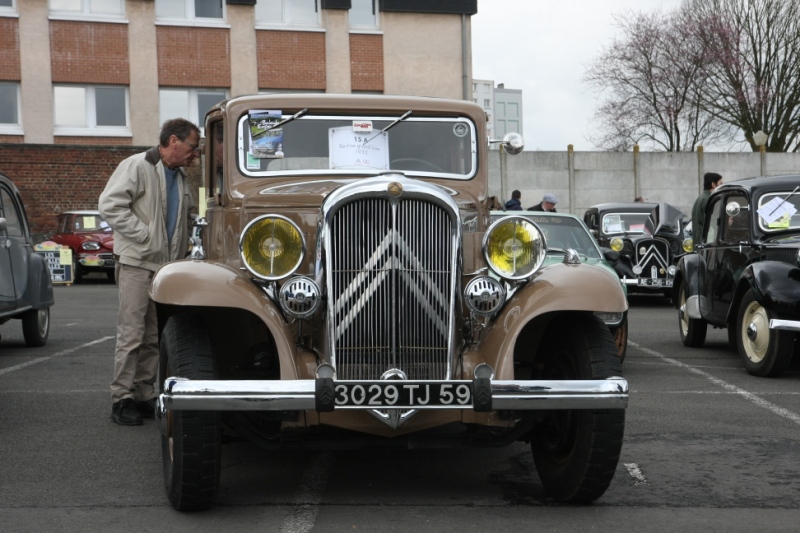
349, 149
776, 209
265, 142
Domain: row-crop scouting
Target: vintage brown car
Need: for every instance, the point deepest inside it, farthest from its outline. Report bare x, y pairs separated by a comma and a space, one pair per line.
349, 288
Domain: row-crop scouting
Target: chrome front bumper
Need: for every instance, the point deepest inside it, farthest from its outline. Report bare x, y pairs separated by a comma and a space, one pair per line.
789, 325
297, 395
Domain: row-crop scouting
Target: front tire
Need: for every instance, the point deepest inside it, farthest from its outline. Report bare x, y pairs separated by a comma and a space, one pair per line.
693, 330
191, 440
764, 352
576, 451
36, 327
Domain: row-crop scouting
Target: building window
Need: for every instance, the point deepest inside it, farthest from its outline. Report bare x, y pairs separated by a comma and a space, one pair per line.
288, 12
363, 14
487, 103
87, 7
190, 9
9, 108
91, 110
7, 7
191, 104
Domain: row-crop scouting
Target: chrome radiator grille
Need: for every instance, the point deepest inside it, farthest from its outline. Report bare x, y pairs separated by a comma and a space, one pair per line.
656, 257
390, 268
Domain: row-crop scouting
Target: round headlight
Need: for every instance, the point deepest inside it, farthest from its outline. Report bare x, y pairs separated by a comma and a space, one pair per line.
91, 245
616, 244
514, 248
271, 247
688, 245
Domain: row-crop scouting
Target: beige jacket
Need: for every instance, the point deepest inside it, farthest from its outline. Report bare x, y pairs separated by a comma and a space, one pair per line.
134, 203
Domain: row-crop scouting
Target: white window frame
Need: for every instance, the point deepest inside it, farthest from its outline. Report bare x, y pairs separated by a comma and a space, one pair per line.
13, 129
367, 28
191, 19
9, 11
86, 14
91, 129
193, 112
305, 26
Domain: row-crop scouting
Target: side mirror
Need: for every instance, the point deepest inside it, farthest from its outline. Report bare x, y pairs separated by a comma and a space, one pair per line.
733, 208
512, 143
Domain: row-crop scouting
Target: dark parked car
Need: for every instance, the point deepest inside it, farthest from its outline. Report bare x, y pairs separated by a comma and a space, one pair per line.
744, 275
649, 238
91, 240
26, 291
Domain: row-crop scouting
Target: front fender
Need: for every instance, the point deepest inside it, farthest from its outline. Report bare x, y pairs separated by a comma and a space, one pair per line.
689, 268
776, 286
40, 285
190, 283
559, 288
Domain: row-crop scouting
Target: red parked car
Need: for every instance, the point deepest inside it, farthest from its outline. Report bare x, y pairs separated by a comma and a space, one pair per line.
91, 240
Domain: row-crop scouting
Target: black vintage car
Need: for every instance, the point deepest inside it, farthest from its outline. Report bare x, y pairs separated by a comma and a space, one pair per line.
744, 275
649, 238
26, 291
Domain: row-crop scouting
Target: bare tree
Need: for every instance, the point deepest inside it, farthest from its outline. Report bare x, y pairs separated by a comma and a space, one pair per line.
651, 79
751, 71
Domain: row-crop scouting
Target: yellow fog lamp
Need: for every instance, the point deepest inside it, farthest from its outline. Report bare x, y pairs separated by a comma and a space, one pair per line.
688, 245
616, 244
514, 248
271, 247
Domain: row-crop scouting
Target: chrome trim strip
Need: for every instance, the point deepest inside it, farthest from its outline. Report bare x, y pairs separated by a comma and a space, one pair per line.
789, 325
252, 395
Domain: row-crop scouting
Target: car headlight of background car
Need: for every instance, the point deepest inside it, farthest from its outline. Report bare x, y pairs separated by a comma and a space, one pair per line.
90, 245
514, 248
271, 247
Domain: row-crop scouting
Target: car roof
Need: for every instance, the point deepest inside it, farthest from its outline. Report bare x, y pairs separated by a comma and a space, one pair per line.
765, 183
534, 214
630, 207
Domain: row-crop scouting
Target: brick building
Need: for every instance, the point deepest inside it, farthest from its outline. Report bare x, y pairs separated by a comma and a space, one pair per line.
107, 73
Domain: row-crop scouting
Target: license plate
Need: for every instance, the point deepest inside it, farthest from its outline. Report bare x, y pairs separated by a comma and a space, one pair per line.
108, 263
399, 394
655, 282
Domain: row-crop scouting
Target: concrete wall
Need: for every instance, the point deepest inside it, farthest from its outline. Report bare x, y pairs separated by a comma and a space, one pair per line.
583, 179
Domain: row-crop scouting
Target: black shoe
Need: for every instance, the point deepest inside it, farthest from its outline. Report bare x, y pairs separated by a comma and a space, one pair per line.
147, 408
124, 413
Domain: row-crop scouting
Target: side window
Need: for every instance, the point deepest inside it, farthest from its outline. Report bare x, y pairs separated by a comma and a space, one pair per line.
217, 156
62, 224
13, 221
713, 222
735, 228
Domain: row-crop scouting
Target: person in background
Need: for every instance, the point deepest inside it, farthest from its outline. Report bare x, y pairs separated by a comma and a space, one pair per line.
711, 180
640, 199
548, 203
515, 203
147, 202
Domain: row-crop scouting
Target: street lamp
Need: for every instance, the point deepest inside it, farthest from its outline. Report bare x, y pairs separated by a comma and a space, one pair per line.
760, 138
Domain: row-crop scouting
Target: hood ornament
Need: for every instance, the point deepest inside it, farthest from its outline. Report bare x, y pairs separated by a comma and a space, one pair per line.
395, 189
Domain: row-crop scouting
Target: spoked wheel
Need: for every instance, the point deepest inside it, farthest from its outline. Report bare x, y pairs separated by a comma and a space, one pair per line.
190, 440
764, 352
693, 330
576, 451
36, 326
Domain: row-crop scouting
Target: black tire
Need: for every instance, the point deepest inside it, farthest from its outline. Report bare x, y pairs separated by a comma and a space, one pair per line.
36, 327
693, 330
191, 440
620, 335
764, 352
576, 451
77, 269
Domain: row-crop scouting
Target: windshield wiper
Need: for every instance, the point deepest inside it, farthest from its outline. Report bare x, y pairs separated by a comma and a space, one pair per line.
392, 125
784, 200
288, 119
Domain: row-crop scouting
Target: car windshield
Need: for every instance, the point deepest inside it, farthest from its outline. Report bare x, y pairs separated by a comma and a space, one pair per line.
624, 222
347, 145
564, 232
90, 224
776, 212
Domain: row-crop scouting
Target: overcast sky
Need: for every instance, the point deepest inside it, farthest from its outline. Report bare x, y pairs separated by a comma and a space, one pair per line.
543, 49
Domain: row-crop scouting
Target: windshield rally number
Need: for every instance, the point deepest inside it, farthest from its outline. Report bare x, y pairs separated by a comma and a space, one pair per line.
403, 395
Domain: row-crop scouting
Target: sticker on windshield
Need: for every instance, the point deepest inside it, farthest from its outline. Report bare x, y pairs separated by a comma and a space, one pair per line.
266, 140
460, 129
352, 150
362, 126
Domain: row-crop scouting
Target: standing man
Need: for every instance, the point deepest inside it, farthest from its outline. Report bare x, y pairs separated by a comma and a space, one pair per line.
514, 204
548, 203
147, 202
711, 180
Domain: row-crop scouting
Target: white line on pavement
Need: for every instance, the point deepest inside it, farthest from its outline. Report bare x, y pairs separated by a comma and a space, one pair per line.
57, 354
759, 401
304, 514
636, 473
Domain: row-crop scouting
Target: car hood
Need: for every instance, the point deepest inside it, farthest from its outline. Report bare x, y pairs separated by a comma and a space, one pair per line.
665, 219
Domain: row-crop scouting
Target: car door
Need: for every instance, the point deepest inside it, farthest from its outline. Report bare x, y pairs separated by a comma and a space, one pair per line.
15, 253
733, 250
707, 252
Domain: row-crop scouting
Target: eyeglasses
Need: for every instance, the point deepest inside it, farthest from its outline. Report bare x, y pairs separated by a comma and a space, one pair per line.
194, 147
